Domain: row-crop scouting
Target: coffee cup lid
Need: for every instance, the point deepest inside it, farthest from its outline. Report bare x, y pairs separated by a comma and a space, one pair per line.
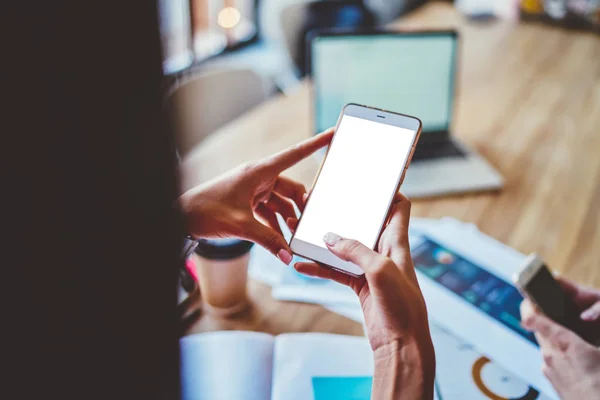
222, 249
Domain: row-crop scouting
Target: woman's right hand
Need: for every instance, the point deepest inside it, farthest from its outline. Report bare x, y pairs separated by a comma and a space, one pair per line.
243, 202
393, 306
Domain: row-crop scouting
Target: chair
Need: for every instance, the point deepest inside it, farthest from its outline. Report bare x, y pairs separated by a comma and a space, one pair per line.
293, 19
203, 103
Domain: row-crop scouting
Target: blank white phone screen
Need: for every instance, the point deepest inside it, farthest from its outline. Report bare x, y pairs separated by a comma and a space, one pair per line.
357, 182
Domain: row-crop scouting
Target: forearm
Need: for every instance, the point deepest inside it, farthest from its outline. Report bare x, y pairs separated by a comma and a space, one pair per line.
404, 371
205, 216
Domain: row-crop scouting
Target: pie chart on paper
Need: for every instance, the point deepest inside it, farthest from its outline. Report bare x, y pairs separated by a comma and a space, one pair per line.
463, 373
495, 383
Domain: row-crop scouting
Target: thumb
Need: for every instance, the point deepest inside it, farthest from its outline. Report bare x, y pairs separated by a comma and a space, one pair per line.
353, 251
269, 239
592, 313
400, 214
545, 328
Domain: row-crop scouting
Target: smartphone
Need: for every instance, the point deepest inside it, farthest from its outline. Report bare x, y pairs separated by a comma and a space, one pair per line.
353, 192
537, 283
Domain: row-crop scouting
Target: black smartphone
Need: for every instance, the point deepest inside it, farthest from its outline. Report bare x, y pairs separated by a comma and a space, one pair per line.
537, 283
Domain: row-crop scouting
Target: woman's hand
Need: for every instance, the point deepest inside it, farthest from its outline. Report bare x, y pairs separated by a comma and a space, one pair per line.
231, 205
571, 364
393, 306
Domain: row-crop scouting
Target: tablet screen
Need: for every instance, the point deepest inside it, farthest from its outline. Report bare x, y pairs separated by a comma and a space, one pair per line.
475, 285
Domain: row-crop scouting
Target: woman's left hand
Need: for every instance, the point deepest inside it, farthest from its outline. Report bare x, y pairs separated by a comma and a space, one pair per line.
393, 306
231, 205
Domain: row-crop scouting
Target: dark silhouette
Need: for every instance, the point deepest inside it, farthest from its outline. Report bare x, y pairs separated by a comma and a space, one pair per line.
91, 227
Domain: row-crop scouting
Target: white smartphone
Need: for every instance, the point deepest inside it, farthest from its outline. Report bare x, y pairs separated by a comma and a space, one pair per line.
359, 177
537, 283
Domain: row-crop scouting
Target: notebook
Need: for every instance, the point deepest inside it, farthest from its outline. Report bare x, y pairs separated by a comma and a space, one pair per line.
257, 366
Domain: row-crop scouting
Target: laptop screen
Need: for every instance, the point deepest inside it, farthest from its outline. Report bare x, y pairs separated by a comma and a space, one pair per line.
406, 73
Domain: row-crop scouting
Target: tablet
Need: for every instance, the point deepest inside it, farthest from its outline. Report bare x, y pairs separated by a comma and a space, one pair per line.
477, 301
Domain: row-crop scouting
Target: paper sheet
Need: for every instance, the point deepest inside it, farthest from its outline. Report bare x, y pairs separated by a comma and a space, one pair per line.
293, 287
226, 366
300, 357
488, 334
463, 373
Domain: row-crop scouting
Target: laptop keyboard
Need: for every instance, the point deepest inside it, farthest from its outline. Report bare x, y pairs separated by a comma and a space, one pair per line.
428, 151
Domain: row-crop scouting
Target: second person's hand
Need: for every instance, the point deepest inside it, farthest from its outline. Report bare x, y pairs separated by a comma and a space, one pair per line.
571, 364
243, 203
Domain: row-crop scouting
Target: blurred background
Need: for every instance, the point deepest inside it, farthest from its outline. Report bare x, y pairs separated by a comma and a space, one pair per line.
258, 47
268, 35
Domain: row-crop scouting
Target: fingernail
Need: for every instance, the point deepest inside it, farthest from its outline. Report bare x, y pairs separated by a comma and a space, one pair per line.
284, 256
331, 238
589, 315
304, 197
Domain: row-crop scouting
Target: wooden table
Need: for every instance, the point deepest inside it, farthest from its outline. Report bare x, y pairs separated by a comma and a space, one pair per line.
529, 101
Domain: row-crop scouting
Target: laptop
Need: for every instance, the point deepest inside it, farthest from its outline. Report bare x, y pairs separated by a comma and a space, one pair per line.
411, 73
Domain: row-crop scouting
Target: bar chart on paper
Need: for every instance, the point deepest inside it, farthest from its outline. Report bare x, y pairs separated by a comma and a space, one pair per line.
342, 387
